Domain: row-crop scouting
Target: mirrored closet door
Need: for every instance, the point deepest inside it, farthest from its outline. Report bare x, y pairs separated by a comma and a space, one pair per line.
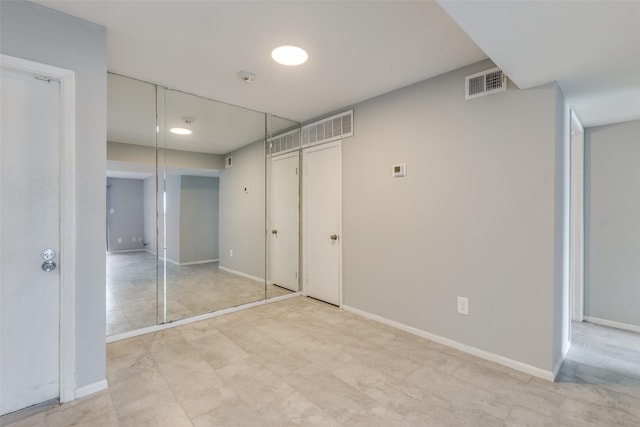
189, 206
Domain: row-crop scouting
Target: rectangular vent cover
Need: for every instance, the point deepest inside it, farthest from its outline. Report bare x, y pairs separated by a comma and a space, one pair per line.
330, 129
484, 83
288, 141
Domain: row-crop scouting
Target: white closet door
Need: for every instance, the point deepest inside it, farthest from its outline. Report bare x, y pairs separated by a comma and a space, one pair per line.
322, 205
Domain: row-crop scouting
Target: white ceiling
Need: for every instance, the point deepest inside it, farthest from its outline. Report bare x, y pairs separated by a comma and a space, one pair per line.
361, 49
357, 49
591, 48
218, 128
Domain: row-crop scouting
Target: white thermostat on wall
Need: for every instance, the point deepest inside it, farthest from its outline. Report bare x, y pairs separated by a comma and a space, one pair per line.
399, 170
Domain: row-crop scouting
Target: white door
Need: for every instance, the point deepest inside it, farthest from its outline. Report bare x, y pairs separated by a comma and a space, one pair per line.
29, 223
284, 225
322, 199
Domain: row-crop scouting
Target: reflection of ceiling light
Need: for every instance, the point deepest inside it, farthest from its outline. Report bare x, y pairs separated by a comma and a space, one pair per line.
289, 55
183, 131
180, 131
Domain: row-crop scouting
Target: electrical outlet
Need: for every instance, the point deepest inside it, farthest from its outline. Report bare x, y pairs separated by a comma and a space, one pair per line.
230, 253
463, 305
119, 239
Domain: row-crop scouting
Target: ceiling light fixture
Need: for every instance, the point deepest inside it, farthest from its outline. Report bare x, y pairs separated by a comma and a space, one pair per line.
182, 131
289, 55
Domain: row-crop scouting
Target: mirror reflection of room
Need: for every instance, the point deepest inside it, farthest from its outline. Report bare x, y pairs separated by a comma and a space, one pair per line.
186, 211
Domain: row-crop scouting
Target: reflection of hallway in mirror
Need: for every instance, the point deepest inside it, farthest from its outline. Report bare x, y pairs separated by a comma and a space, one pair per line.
192, 290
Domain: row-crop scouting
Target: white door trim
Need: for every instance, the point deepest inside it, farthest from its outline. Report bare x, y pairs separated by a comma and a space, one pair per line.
319, 147
67, 213
577, 219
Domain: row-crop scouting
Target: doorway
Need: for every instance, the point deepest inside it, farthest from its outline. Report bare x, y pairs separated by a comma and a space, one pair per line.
38, 229
322, 222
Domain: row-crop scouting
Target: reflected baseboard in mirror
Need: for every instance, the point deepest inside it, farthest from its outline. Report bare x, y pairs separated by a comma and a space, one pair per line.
194, 289
196, 197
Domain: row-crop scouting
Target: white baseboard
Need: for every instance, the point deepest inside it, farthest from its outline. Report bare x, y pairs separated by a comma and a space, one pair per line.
126, 250
239, 273
558, 363
491, 357
91, 388
162, 327
612, 324
204, 261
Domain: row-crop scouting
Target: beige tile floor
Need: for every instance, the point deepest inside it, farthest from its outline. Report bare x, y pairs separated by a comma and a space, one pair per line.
302, 362
133, 297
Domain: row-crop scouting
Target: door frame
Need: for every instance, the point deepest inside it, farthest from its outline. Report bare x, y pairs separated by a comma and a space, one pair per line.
67, 206
303, 221
576, 270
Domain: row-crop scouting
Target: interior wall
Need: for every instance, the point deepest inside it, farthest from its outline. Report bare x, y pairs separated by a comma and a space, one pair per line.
242, 214
132, 153
562, 265
199, 200
474, 216
173, 183
125, 214
612, 223
35, 33
149, 196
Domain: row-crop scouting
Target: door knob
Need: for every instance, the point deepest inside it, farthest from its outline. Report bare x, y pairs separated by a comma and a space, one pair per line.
48, 254
48, 266
274, 231
334, 237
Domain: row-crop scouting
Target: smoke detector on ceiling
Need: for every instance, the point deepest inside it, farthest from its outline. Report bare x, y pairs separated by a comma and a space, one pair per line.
247, 76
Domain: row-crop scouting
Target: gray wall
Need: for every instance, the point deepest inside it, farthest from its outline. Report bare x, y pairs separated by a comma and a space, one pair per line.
125, 198
173, 218
612, 222
561, 296
35, 33
242, 216
192, 218
149, 196
474, 217
199, 213
173, 158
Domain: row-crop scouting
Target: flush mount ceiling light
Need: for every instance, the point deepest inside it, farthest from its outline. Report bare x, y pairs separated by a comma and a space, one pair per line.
182, 131
289, 55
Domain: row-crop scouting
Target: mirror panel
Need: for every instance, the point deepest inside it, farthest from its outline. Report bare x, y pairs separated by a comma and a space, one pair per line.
190, 230
283, 207
215, 210
132, 274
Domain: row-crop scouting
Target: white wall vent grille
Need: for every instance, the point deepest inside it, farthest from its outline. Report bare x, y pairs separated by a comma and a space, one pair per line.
484, 83
288, 141
330, 129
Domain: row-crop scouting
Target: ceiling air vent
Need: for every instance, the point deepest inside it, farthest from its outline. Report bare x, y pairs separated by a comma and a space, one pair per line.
484, 83
283, 143
330, 129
